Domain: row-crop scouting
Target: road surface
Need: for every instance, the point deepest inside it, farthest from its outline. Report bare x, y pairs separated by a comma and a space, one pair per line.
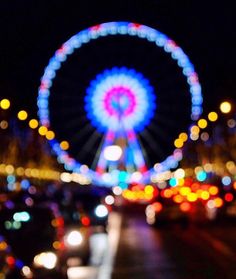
198, 252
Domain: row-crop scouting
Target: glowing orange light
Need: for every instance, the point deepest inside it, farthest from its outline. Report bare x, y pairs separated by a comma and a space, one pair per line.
183, 137
234, 185
148, 196
212, 116
33, 123
54, 223
218, 202
22, 115
178, 199
199, 193
56, 245
213, 190
195, 129
42, 130
185, 206
202, 123
50, 135
3, 246
157, 206
178, 143
58, 222
64, 145
167, 193
195, 186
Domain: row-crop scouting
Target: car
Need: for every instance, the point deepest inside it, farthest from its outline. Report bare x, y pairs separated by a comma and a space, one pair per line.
30, 235
166, 212
84, 214
83, 206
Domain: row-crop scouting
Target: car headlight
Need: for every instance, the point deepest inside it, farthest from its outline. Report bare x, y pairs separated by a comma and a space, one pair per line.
101, 211
74, 238
45, 259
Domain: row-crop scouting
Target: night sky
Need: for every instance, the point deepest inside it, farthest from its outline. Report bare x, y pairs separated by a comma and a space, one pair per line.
31, 31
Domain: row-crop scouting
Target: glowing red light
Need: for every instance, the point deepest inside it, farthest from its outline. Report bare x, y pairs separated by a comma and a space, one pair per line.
99, 170
136, 25
96, 27
229, 197
143, 169
61, 49
60, 222
10, 260
188, 181
85, 221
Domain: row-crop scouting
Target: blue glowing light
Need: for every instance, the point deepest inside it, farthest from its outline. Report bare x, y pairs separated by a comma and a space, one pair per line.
226, 180
120, 97
173, 182
201, 176
11, 179
25, 184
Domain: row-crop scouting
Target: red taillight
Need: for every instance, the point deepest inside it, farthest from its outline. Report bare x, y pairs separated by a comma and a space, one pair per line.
157, 206
10, 260
185, 206
85, 221
229, 197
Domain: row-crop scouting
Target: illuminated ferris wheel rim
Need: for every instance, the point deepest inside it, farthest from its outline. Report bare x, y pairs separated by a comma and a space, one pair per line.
111, 29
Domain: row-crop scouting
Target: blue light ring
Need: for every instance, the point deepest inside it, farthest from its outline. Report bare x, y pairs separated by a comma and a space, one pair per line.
122, 28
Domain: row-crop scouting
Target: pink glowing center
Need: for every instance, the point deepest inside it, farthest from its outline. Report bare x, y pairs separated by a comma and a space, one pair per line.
120, 101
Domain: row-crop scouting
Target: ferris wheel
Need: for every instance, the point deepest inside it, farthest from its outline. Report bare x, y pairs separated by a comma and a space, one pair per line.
119, 93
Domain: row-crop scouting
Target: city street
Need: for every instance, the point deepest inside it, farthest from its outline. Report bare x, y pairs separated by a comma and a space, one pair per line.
118, 140
173, 252
137, 250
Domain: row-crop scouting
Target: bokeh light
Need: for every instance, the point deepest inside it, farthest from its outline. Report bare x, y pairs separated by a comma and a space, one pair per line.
183, 136
5, 104
178, 143
202, 123
212, 116
22, 115
225, 107
50, 135
3, 124
42, 130
112, 152
33, 123
64, 145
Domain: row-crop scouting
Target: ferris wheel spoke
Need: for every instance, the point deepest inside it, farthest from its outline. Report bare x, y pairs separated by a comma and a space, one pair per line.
152, 143
119, 99
88, 145
83, 133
